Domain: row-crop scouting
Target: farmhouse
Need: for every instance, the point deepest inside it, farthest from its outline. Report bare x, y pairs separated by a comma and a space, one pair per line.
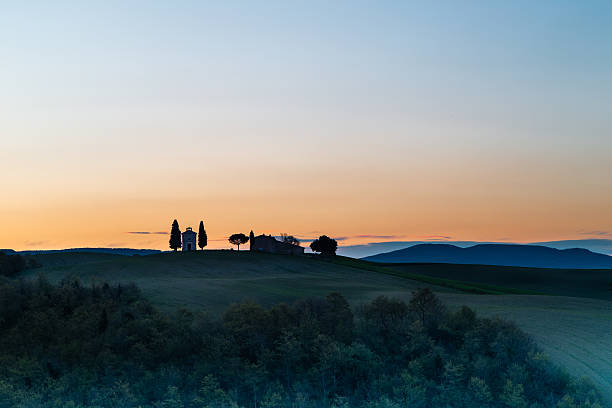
267, 243
189, 240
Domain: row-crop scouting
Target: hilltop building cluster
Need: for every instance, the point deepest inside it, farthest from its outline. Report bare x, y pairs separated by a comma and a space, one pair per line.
188, 241
268, 243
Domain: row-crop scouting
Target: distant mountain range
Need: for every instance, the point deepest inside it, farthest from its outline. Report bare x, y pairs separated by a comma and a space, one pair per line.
599, 245
498, 254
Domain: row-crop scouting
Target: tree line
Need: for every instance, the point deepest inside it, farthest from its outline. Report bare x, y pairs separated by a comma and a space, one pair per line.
69, 345
13, 263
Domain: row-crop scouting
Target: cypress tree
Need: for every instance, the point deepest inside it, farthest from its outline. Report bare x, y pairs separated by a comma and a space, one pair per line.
175, 236
252, 238
202, 237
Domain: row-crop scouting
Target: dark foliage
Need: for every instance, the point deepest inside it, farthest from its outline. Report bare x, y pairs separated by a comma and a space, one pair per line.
427, 308
12, 264
106, 346
175, 236
238, 239
202, 237
31, 262
325, 245
290, 239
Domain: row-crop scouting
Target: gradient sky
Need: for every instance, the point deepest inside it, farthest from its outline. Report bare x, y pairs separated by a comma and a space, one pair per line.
371, 121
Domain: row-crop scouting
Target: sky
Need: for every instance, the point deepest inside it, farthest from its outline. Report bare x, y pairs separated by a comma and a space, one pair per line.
366, 121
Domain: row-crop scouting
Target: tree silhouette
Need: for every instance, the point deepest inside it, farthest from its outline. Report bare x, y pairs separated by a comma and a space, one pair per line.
175, 236
238, 239
426, 306
289, 239
252, 239
202, 237
325, 245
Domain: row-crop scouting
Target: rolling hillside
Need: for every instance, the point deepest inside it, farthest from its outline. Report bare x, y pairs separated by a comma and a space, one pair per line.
589, 283
215, 279
572, 330
535, 256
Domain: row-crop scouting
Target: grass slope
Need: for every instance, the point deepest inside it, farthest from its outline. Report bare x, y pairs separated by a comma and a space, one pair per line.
591, 283
215, 279
421, 275
573, 331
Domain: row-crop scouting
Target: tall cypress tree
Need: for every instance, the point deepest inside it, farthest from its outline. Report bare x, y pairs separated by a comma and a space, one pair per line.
175, 236
251, 239
202, 237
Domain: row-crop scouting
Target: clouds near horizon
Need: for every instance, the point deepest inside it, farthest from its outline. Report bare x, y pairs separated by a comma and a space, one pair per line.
148, 232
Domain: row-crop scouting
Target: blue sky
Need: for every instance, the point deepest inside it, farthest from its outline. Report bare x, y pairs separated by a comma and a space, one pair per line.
480, 120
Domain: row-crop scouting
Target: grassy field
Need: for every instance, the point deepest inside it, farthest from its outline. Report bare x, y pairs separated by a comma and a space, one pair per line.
592, 283
574, 331
215, 279
421, 273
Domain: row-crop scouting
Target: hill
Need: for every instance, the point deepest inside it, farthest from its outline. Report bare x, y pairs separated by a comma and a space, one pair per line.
215, 279
116, 251
572, 330
495, 279
498, 254
183, 279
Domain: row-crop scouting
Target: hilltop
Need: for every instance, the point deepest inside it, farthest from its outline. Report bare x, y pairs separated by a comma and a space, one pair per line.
116, 251
222, 276
536, 256
215, 279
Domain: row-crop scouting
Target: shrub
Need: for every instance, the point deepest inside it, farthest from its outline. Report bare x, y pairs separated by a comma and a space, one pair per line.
11, 264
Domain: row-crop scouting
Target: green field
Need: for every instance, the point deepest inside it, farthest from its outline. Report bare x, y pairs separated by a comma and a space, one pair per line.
568, 312
592, 283
215, 279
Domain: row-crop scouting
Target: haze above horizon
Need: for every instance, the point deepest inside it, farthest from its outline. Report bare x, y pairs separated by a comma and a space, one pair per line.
370, 121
